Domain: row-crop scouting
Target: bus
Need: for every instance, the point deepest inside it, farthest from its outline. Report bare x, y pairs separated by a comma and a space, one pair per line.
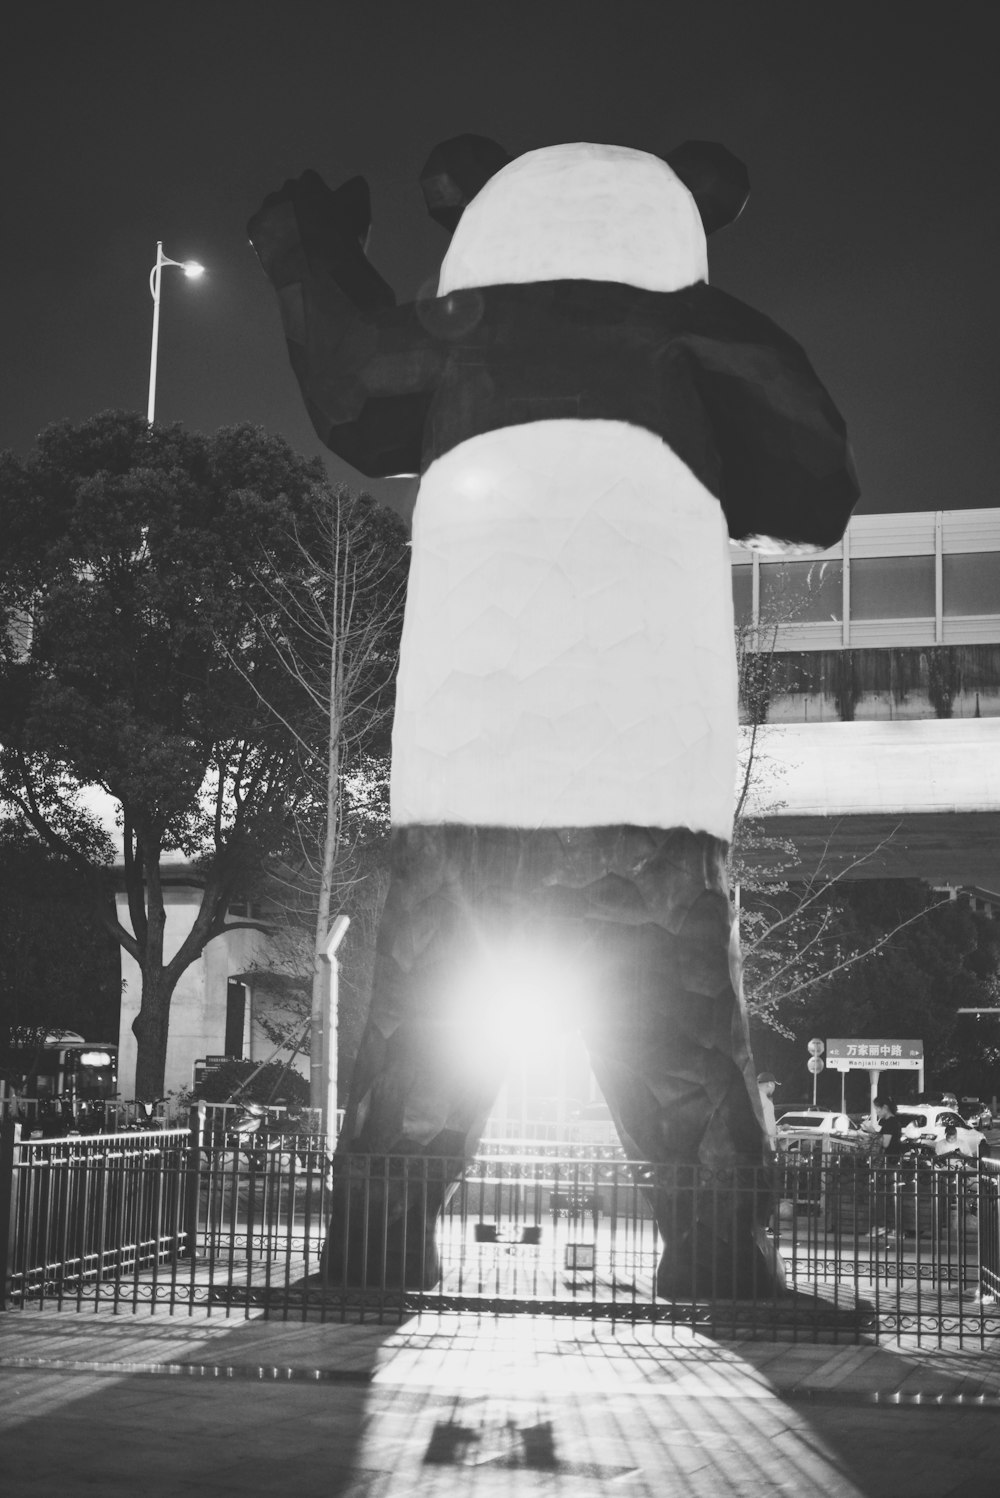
75, 1070
68, 1080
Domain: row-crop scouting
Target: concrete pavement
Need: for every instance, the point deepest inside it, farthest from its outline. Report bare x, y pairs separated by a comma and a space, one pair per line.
158, 1405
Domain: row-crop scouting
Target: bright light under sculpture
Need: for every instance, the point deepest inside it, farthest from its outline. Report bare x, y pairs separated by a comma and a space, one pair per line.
591, 423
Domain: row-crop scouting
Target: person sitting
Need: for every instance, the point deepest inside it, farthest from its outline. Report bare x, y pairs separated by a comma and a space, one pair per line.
949, 1145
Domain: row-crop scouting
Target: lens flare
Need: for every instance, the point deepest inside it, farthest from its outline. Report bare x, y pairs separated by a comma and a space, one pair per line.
515, 1001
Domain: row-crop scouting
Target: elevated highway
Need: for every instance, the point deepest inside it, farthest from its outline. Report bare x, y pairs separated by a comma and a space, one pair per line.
884, 799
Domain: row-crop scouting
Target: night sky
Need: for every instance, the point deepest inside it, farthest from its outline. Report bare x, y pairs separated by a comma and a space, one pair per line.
870, 130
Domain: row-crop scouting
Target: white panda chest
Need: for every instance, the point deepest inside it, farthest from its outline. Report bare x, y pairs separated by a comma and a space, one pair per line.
567, 656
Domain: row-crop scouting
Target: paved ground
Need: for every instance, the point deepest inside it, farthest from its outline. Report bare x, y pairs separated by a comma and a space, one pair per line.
161, 1405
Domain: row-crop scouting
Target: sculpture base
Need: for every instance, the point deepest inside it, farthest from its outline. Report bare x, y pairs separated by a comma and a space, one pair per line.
716, 1246
382, 1222
641, 919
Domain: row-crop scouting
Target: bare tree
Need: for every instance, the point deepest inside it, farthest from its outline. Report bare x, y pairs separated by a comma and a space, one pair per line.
795, 932
360, 878
333, 628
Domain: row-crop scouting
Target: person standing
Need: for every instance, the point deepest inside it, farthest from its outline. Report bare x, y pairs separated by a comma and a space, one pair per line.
890, 1126
767, 1082
890, 1137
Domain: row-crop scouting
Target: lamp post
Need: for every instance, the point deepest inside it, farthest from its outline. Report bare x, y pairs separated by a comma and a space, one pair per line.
192, 270
323, 1059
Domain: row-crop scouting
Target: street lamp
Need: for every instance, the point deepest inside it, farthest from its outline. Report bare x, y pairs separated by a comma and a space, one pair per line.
192, 270
323, 1058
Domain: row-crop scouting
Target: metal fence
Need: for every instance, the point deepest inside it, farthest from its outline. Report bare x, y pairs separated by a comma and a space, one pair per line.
219, 1120
62, 1117
89, 1210
240, 1225
988, 1186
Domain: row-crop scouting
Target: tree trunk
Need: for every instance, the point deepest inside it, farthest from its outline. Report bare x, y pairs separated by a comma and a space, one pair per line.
328, 861
151, 1027
339, 621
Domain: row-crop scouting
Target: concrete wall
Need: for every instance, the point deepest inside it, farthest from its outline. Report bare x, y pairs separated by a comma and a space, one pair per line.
198, 1009
888, 685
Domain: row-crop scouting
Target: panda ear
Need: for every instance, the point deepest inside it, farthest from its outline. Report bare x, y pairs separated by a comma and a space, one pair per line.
455, 171
716, 179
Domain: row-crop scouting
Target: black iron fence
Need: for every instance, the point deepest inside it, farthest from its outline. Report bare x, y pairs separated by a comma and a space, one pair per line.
94, 1209
988, 1188
268, 1225
65, 1117
222, 1122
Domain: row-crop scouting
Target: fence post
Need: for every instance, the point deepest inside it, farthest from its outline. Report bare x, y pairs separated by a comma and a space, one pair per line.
10, 1134
192, 1182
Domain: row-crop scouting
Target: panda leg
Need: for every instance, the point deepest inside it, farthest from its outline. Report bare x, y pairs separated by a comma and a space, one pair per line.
649, 911
424, 1081
670, 1050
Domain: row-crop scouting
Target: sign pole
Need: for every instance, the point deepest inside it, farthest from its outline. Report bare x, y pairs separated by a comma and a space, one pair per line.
815, 1063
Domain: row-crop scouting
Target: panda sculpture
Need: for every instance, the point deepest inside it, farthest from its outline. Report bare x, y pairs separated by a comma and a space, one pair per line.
592, 423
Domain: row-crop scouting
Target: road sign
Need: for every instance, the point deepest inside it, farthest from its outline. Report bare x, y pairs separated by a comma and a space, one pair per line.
815, 1064
816, 1047
875, 1055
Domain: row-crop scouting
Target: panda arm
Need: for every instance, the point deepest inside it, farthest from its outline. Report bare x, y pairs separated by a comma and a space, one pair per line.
786, 470
367, 368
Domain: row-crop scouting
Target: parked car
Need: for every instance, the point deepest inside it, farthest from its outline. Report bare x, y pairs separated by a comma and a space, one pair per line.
975, 1113
927, 1125
815, 1123
939, 1100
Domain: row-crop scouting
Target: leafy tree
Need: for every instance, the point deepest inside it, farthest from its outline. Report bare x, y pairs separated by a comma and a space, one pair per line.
58, 970
247, 1082
139, 563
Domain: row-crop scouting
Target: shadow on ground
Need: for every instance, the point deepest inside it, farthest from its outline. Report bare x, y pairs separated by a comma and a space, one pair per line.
466, 1406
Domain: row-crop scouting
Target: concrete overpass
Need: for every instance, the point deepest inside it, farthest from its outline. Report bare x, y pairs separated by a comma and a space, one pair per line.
913, 799
881, 696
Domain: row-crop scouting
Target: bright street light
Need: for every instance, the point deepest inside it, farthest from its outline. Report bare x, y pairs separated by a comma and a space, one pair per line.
192, 270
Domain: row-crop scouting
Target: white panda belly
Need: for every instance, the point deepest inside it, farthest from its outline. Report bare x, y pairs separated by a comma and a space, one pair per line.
568, 656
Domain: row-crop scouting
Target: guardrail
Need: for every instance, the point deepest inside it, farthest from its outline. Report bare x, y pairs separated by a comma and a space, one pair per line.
88, 1210
60, 1117
223, 1119
243, 1225
989, 1230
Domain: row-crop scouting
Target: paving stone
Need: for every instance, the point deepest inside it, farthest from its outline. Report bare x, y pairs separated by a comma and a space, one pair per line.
463, 1406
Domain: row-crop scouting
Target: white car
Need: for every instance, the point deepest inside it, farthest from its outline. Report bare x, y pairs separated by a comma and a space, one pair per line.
814, 1123
928, 1124
975, 1112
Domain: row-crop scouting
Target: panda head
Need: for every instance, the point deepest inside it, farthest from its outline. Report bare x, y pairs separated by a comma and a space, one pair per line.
580, 212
